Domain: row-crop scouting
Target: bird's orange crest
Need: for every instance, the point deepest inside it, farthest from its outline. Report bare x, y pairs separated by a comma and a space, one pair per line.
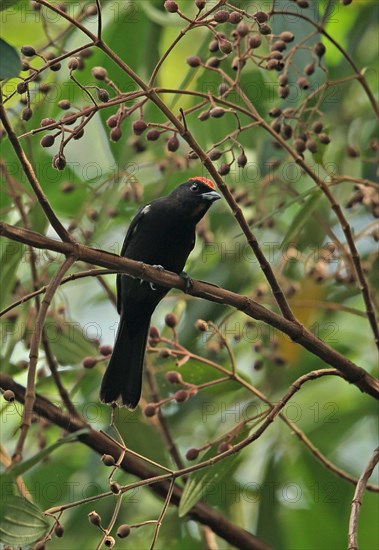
204, 180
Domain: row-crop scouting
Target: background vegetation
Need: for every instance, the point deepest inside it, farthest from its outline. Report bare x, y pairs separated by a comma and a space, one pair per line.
286, 124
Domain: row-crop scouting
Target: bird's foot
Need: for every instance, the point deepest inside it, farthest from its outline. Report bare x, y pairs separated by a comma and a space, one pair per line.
188, 282
160, 268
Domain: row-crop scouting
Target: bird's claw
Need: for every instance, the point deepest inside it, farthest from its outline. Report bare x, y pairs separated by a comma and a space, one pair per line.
188, 282
159, 268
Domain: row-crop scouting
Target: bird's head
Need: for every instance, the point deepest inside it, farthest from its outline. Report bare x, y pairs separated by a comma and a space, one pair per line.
197, 194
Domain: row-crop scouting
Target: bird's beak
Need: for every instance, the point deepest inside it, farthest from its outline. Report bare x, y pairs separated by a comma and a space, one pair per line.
211, 196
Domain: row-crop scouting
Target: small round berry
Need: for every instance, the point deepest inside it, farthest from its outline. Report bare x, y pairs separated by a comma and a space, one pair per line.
171, 6
99, 73
352, 152
303, 83
47, 121
154, 332
26, 114
123, 531
59, 161
192, 454
115, 487
112, 121
194, 61
261, 16
174, 377
213, 62
283, 80
150, 410
275, 112
108, 460
105, 350
299, 145
73, 63
28, 51
9, 396
311, 145
217, 112
22, 87
215, 154
284, 92
265, 29
173, 144
324, 138
255, 41
47, 141
56, 67
319, 49
103, 95
221, 16
242, 160
302, 3
89, 362
201, 325
309, 69
64, 104
287, 36
139, 126
116, 134
225, 46
317, 126
59, 530
153, 135
171, 320
224, 169
235, 17
200, 4
94, 518
181, 396
224, 446
109, 541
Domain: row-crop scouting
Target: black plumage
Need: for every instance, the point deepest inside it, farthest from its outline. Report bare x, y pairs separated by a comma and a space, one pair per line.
162, 233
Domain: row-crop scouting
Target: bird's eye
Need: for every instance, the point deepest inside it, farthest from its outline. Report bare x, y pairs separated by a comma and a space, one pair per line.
194, 187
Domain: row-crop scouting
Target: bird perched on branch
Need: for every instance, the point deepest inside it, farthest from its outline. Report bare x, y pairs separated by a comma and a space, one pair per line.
162, 234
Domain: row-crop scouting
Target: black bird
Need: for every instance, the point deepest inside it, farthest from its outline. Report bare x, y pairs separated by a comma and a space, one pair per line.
162, 233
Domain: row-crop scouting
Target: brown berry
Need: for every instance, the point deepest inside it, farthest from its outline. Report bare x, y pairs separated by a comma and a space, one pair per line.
303, 83
56, 67
265, 29
235, 17
89, 362
173, 144
22, 87
59, 161
139, 126
171, 320
221, 16
299, 145
59, 530
213, 62
217, 112
317, 126
64, 104
99, 73
105, 350
352, 152
302, 3
224, 446
47, 121
94, 518
108, 460
26, 114
225, 46
255, 41
194, 61
192, 454
284, 92
102, 95
73, 63
181, 396
261, 16
123, 531
109, 541
311, 145
224, 169
28, 51
283, 80
287, 36
200, 4
150, 410
170, 6
319, 49
215, 154
116, 134
309, 69
174, 377
9, 396
242, 160
47, 141
324, 138
153, 135
115, 487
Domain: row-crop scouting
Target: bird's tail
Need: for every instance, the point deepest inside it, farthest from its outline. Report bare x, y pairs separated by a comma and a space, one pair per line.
122, 381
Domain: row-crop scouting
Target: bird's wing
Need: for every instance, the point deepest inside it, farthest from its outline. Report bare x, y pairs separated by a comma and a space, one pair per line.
131, 229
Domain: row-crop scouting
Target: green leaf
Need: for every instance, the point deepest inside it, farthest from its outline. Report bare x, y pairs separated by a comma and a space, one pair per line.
199, 481
68, 342
22, 522
10, 256
301, 217
23, 467
10, 64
